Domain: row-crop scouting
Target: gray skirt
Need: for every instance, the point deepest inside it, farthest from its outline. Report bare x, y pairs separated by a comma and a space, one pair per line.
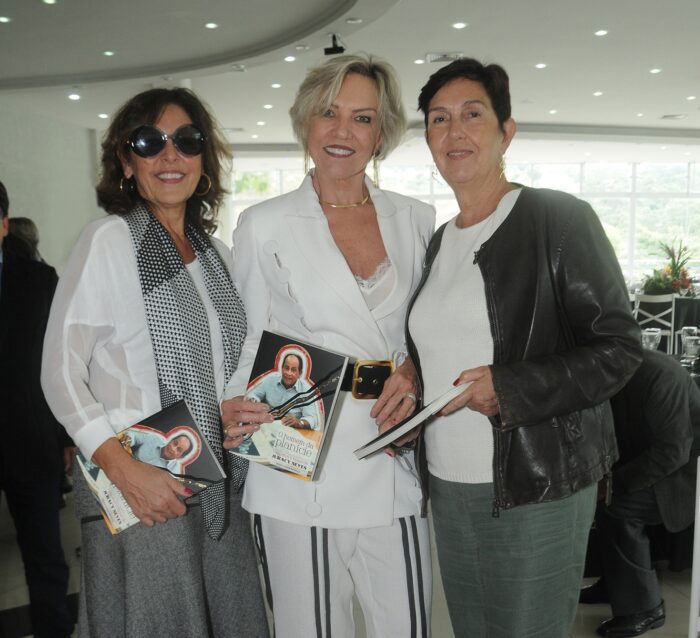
168, 580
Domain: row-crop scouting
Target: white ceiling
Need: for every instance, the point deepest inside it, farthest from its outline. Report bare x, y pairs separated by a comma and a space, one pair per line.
49, 51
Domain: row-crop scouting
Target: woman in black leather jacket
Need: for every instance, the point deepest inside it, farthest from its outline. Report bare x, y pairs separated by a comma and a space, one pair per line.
522, 297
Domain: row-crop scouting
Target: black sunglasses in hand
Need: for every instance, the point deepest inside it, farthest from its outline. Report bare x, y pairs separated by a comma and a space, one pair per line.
149, 140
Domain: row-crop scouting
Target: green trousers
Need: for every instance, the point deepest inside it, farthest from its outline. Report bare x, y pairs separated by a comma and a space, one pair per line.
514, 576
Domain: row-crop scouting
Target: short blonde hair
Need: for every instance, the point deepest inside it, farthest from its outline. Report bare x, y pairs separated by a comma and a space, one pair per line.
322, 84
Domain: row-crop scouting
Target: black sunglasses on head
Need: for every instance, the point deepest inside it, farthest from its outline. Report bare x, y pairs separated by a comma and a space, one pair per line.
148, 140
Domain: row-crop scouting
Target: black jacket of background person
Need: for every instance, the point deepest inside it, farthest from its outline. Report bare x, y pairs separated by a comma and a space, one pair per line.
32, 440
657, 423
564, 342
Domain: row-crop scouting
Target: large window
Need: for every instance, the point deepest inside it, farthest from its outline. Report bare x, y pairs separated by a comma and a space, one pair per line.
640, 203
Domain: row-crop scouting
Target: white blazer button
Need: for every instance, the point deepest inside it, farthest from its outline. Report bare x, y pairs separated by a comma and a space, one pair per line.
314, 510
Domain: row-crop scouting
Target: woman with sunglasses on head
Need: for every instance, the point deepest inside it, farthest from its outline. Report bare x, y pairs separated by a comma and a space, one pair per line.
538, 322
146, 314
334, 263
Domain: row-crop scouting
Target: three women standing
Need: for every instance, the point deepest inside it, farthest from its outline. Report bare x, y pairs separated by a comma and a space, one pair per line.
145, 314
334, 263
538, 321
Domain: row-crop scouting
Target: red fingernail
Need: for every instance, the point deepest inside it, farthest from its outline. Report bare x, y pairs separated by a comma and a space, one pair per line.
439, 413
188, 491
456, 381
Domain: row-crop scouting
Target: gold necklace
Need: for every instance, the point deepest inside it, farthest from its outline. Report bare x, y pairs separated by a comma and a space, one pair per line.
353, 205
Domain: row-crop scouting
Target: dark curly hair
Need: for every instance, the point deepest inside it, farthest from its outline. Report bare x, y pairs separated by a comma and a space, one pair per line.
493, 78
146, 108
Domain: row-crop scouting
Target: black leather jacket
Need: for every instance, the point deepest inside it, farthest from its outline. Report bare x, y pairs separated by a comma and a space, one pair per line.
564, 342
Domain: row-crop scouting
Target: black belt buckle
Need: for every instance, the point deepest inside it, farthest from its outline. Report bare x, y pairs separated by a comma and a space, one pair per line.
368, 377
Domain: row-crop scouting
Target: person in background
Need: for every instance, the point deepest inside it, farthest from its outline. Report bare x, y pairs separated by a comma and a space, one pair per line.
35, 450
25, 229
657, 425
522, 298
146, 314
334, 263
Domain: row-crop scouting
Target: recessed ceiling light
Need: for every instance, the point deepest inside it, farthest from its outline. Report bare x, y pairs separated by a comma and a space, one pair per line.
687, 153
597, 93
260, 123
353, 20
254, 136
276, 85
108, 54
419, 61
103, 116
663, 148
289, 58
654, 71
49, 1
553, 111
267, 106
73, 96
5, 19
211, 25
690, 98
588, 153
459, 25
540, 65
601, 32
640, 114
302, 47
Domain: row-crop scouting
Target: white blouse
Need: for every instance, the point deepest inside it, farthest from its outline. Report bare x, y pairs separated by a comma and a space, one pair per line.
98, 370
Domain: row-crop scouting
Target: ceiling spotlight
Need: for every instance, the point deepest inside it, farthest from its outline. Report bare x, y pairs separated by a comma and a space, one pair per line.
5, 19
459, 25
419, 61
640, 114
541, 65
552, 111
353, 20
73, 96
260, 123
690, 98
289, 58
267, 106
336, 46
211, 25
276, 85
254, 136
654, 71
49, 1
108, 54
103, 116
601, 32
598, 93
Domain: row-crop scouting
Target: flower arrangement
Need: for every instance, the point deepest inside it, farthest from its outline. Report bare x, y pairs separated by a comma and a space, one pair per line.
672, 278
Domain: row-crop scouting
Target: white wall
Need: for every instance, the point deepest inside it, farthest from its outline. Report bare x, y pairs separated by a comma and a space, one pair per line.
49, 170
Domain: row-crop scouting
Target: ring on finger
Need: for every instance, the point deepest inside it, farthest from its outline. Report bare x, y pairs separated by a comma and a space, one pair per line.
411, 396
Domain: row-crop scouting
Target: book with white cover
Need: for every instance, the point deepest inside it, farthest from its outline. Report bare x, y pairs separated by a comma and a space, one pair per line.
403, 428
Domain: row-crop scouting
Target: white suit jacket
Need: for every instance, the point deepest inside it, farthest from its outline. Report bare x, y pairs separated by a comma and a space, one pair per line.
295, 281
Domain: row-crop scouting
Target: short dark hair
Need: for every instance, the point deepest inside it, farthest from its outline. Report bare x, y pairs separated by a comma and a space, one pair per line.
4, 201
117, 196
493, 78
294, 354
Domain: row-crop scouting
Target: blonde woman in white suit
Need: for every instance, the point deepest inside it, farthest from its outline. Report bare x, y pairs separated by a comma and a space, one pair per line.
334, 263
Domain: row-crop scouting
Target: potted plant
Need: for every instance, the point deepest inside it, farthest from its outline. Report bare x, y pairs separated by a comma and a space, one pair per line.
673, 277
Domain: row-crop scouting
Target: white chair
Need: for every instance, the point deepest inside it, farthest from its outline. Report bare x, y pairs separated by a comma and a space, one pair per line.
694, 624
656, 311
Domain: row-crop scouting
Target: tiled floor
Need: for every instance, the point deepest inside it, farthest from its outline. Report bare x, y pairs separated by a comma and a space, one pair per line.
13, 593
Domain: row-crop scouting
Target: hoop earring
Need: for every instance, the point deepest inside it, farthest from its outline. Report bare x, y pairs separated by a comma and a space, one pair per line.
129, 188
502, 166
207, 189
307, 161
375, 171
